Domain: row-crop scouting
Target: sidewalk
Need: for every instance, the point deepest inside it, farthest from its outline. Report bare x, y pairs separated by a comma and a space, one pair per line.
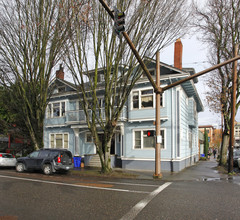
202, 171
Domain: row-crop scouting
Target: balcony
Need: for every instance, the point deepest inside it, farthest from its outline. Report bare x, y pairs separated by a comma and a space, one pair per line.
78, 116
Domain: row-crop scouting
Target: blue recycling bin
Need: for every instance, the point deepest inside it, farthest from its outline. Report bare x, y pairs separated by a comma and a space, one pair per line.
77, 161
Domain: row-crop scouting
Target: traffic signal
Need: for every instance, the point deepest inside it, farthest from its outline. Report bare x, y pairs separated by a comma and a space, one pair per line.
119, 21
150, 133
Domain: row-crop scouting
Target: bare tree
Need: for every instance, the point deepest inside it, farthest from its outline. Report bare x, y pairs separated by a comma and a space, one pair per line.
151, 25
33, 35
219, 22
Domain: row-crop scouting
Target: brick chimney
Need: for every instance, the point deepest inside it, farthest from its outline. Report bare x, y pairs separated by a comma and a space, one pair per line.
60, 73
178, 54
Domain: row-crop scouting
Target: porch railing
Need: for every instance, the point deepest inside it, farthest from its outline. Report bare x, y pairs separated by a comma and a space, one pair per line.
79, 116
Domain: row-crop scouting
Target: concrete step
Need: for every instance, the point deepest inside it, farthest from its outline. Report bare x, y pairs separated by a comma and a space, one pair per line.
95, 161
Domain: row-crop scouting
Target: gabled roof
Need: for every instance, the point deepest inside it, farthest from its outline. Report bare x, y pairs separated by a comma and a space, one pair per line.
55, 80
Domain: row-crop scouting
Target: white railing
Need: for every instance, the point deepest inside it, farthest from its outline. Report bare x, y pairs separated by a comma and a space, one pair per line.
79, 116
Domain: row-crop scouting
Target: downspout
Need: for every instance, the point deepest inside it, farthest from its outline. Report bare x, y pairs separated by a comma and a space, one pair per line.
172, 129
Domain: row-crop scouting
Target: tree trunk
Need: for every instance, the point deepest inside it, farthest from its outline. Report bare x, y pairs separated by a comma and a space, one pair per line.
223, 152
105, 157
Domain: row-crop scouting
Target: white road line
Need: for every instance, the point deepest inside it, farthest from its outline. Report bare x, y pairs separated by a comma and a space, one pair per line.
140, 206
130, 184
73, 185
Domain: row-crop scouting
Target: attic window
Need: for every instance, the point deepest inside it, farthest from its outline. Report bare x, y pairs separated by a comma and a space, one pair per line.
61, 89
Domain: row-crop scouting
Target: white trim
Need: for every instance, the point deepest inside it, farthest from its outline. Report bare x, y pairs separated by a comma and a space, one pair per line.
162, 159
149, 119
55, 126
178, 117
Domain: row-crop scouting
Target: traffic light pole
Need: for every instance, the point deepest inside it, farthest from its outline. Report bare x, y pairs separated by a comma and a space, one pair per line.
158, 121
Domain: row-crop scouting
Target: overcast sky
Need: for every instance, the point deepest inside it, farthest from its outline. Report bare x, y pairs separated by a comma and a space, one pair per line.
195, 55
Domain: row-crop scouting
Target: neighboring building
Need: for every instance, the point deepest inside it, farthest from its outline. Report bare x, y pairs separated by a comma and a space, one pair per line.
201, 142
210, 131
65, 125
237, 134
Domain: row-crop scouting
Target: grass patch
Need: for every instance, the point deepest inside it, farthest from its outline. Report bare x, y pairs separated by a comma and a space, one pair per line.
97, 173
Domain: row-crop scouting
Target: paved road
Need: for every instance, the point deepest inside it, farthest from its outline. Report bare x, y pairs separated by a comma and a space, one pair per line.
186, 196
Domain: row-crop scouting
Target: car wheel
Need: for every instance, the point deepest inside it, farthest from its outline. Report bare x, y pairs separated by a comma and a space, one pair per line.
47, 169
20, 167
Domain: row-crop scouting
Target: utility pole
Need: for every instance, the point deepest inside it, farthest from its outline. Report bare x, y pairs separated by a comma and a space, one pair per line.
233, 112
158, 121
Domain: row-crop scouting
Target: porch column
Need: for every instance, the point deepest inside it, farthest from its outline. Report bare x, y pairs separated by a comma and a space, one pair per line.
77, 147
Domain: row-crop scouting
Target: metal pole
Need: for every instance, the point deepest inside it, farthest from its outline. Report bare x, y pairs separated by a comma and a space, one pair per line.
200, 73
158, 121
233, 111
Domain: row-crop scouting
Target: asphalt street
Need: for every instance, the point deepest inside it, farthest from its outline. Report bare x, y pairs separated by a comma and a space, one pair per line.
199, 192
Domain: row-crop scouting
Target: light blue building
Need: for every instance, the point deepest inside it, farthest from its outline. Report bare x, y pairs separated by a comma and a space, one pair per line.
65, 125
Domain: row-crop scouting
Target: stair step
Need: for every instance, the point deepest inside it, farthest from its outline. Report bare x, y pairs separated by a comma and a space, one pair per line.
95, 161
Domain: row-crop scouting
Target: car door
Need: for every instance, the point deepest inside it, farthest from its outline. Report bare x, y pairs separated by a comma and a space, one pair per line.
43, 155
32, 160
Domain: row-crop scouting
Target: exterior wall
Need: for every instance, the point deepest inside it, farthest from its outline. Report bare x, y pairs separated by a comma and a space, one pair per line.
145, 158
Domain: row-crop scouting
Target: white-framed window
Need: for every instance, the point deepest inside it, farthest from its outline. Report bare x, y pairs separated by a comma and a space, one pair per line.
58, 140
56, 109
89, 138
144, 99
142, 141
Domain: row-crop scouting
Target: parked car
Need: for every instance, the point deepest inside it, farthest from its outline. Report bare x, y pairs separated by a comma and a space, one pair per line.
7, 160
236, 155
47, 160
